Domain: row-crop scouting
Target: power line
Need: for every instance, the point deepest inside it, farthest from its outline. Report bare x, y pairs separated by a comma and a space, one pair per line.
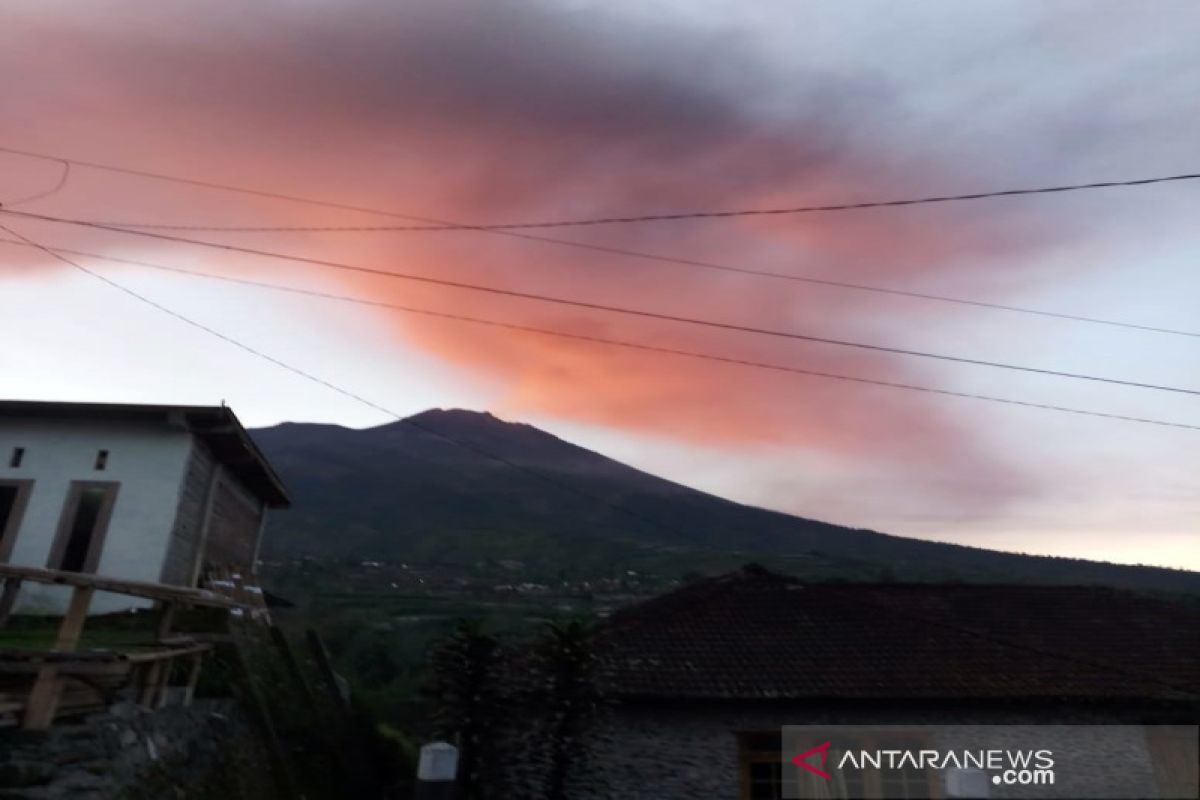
609, 342
603, 307
433, 224
721, 214
63, 177
352, 395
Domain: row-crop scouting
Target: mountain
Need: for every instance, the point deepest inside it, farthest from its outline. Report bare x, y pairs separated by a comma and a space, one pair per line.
461, 487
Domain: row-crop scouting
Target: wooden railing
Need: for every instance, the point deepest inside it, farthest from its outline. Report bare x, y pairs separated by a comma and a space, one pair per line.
50, 668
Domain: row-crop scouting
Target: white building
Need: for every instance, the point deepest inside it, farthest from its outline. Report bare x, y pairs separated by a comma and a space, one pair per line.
165, 494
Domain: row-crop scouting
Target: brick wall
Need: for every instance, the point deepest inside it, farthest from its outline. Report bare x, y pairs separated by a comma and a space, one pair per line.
233, 529
189, 518
233, 526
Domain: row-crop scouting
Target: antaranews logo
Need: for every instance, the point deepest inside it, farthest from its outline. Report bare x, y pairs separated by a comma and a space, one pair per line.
1030, 761
1008, 767
801, 760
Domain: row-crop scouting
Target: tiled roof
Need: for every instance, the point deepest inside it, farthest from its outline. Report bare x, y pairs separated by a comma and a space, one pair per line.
756, 634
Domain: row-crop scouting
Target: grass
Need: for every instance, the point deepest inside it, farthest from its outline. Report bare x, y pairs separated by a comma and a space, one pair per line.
43, 639
124, 632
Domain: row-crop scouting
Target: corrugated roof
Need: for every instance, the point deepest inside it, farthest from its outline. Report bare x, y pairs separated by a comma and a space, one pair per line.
754, 634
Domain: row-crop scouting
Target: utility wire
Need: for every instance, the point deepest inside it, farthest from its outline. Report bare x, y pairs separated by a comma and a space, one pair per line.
603, 307
470, 447
63, 177
602, 340
721, 214
433, 224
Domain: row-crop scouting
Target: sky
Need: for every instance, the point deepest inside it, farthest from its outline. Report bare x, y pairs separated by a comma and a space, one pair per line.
484, 112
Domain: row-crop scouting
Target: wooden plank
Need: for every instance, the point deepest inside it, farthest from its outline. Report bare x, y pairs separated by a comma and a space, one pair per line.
159, 698
42, 702
88, 668
72, 624
10, 704
166, 618
150, 678
167, 655
77, 697
29, 661
8, 599
152, 591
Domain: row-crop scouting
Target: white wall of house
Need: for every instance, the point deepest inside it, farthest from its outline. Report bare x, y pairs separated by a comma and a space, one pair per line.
148, 460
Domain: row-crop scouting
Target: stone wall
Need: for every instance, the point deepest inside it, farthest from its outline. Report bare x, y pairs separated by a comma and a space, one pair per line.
120, 752
684, 752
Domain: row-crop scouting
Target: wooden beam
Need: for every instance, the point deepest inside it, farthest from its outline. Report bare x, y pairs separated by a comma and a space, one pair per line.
42, 702
72, 668
166, 617
167, 655
152, 591
150, 680
72, 624
164, 683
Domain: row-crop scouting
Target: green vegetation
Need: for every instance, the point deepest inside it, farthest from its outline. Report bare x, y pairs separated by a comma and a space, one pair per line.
312, 737
518, 709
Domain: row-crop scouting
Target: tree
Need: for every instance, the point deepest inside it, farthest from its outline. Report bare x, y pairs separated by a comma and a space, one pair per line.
467, 687
567, 695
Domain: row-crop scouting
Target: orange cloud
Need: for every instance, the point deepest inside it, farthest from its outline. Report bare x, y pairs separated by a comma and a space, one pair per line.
452, 109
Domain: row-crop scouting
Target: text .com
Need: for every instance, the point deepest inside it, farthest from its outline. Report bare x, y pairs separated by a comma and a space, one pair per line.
1025, 777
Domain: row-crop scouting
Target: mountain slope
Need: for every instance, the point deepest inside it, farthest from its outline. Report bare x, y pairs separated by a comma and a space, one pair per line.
406, 491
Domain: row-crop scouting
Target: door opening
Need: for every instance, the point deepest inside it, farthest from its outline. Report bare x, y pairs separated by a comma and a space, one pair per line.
13, 495
84, 524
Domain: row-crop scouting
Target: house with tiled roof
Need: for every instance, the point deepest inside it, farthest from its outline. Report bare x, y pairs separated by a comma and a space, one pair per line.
703, 681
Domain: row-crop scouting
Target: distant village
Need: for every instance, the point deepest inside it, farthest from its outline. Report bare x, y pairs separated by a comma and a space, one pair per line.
483, 579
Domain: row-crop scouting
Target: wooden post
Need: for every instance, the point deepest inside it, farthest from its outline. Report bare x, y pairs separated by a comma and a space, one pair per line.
157, 677
72, 624
166, 617
43, 697
12, 586
189, 689
159, 698
150, 682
